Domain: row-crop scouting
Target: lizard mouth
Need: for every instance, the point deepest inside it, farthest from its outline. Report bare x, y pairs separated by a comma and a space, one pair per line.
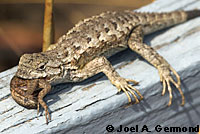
19, 88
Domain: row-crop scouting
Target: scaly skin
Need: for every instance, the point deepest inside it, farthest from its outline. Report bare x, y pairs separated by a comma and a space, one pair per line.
83, 52
30, 93
18, 88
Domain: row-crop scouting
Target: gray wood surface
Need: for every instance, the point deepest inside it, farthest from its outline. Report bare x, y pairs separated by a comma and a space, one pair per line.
90, 106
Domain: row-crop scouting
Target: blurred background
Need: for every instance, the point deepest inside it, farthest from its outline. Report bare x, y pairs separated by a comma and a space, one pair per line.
21, 22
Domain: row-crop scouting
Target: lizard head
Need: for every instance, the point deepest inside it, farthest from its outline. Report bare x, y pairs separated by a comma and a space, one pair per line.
39, 65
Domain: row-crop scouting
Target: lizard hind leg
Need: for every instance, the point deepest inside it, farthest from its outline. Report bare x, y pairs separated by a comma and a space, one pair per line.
135, 43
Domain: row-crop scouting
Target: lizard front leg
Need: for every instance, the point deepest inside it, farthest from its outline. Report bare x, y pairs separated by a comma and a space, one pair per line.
46, 87
136, 44
101, 64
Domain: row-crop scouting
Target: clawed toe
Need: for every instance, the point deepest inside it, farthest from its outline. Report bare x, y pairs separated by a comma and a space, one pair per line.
166, 80
127, 88
38, 108
133, 81
47, 116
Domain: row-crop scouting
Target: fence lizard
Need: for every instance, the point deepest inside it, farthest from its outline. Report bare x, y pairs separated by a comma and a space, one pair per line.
83, 51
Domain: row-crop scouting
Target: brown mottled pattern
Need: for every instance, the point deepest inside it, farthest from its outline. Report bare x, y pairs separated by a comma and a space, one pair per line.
83, 51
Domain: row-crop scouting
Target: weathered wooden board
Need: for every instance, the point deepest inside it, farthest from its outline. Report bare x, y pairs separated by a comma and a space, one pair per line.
90, 106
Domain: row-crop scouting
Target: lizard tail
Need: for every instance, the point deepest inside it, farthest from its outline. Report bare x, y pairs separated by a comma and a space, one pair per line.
158, 21
192, 14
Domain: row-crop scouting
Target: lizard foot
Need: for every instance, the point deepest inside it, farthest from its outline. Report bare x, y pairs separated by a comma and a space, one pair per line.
166, 78
46, 110
123, 84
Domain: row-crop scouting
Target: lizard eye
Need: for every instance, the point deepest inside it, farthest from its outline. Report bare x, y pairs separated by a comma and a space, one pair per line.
41, 67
